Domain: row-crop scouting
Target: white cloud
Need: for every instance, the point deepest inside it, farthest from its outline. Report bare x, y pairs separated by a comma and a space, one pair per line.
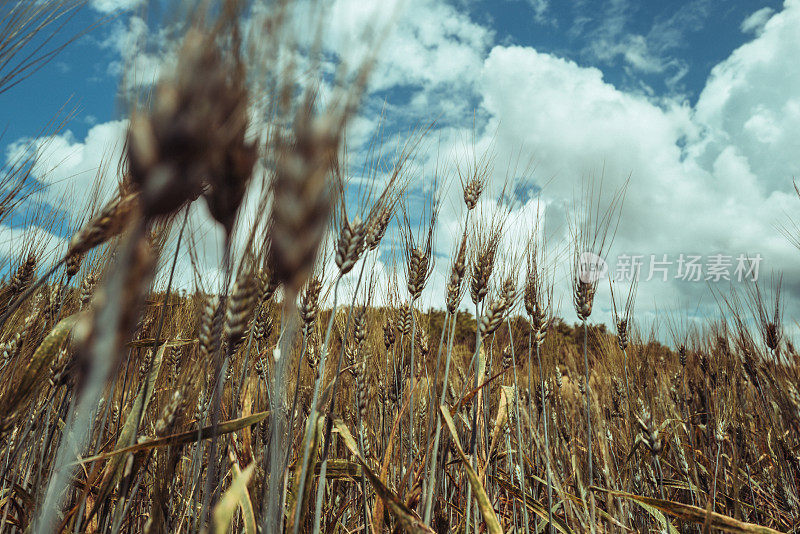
70, 168
634, 50
649, 52
709, 179
113, 6
750, 101
755, 22
423, 42
713, 178
15, 243
143, 53
540, 8
567, 114
700, 182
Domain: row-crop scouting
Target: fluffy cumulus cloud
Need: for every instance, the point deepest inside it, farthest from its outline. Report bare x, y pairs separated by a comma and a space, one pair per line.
716, 178
71, 170
421, 42
750, 102
67, 177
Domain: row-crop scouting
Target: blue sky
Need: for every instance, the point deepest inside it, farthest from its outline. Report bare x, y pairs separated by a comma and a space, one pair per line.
684, 40
696, 101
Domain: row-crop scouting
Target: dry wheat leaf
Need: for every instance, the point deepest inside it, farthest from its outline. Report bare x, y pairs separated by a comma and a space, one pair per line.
484, 504
409, 520
237, 496
694, 514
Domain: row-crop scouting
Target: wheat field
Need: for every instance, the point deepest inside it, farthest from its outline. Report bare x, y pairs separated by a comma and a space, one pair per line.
300, 392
